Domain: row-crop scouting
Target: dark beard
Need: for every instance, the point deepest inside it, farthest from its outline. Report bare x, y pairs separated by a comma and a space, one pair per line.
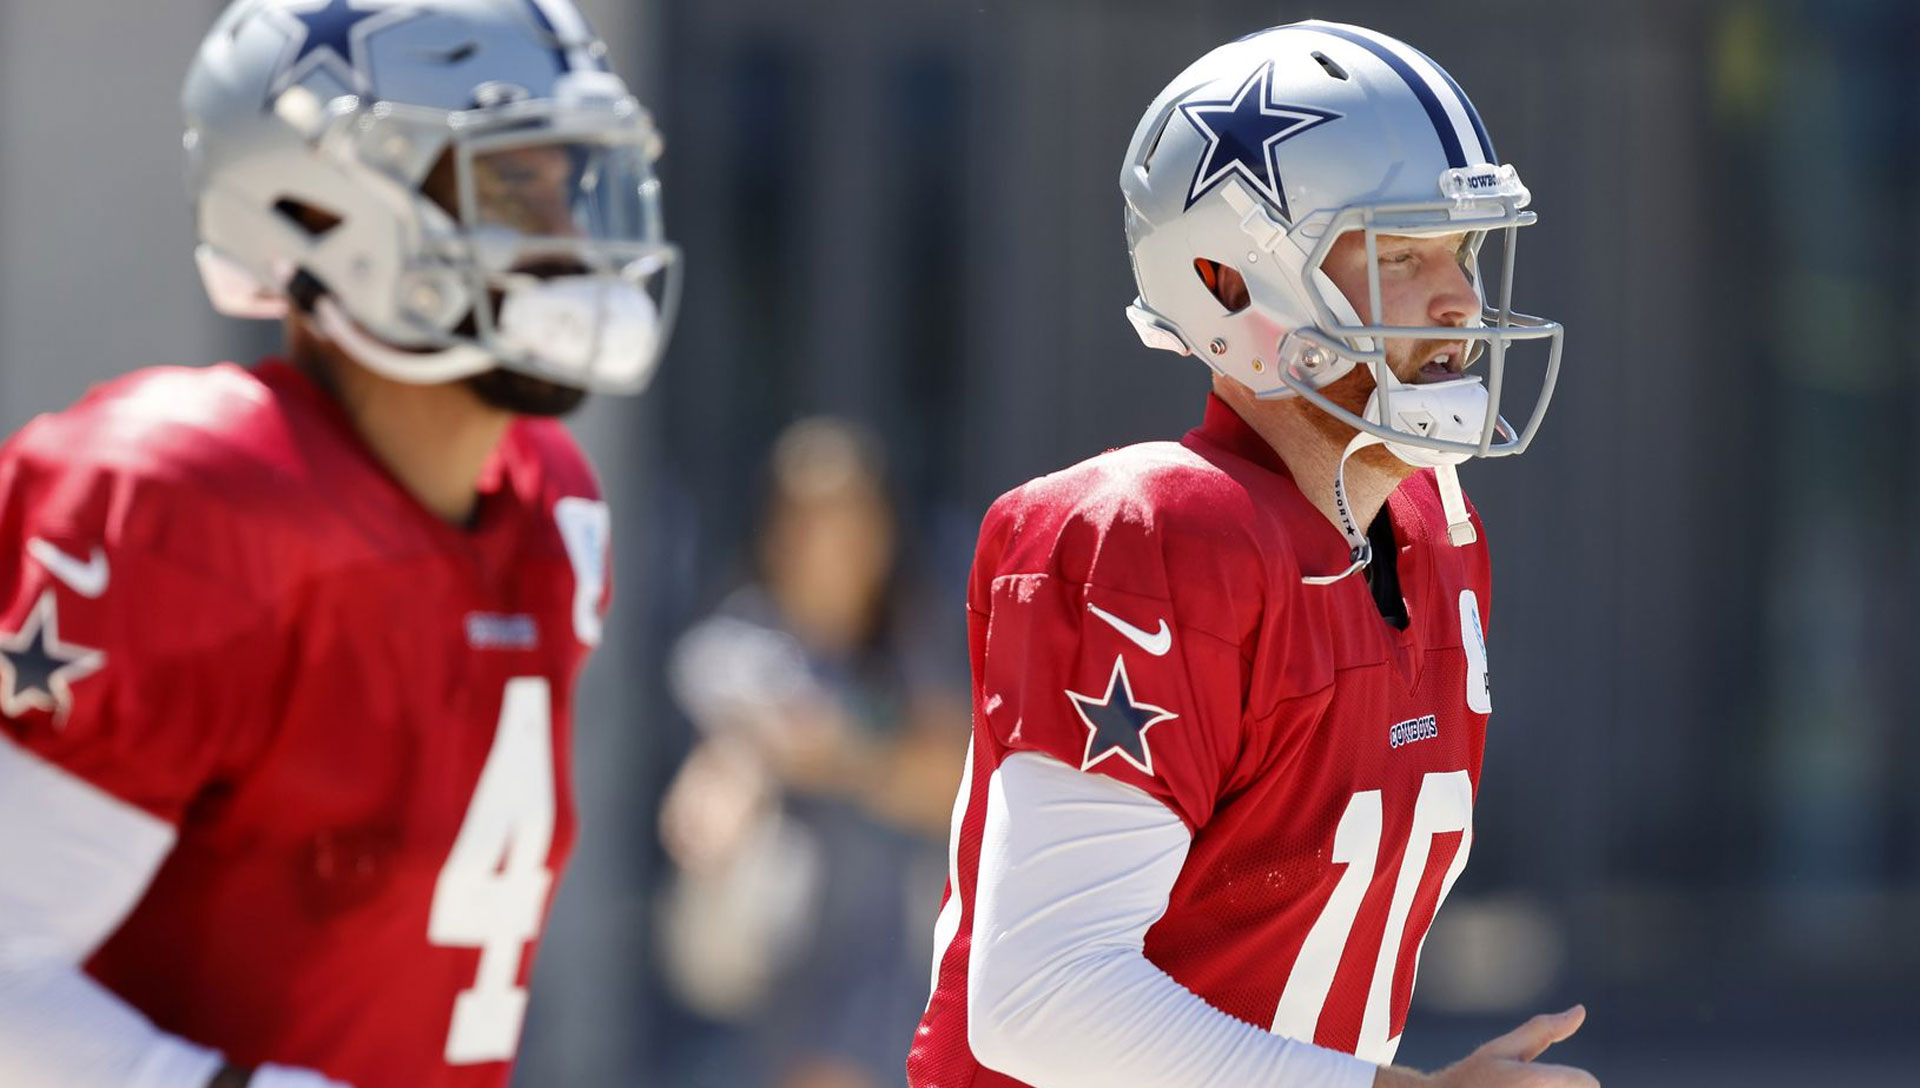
524, 395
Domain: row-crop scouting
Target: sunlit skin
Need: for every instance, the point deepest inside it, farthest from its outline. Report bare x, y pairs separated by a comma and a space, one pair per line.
436, 439
1506, 1062
1422, 282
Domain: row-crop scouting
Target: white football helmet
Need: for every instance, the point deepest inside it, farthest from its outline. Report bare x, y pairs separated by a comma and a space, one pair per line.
1265, 151
312, 126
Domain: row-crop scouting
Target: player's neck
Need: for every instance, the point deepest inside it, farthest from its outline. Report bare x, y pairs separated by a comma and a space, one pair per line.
1372, 474
434, 439
1309, 442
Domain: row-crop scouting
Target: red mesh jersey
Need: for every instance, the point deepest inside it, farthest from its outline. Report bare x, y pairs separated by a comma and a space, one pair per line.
357, 716
1325, 761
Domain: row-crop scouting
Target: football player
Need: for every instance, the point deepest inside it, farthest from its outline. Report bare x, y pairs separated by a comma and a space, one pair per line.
1230, 693
287, 654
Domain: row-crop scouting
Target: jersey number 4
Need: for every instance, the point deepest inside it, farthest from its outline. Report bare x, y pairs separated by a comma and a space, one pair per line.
1445, 805
493, 889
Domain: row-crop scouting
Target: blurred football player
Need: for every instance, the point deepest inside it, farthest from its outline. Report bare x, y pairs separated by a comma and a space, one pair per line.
287, 654
1230, 693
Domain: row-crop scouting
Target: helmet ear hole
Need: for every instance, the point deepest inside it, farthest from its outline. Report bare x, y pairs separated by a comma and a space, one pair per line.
311, 218
1224, 282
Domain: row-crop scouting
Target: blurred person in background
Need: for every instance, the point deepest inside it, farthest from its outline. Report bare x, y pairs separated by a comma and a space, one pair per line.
287, 654
1231, 693
808, 822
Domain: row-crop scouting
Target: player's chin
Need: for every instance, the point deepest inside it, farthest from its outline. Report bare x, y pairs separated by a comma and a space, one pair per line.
524, 394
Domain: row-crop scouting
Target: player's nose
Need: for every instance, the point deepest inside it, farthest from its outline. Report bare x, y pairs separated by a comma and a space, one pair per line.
1454, 301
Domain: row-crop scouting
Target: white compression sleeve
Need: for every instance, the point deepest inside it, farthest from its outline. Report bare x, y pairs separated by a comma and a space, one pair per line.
1074, 869
75, 861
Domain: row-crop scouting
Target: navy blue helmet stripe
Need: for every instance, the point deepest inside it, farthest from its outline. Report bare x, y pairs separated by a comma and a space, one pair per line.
1437, 113
560, 58
1480, 130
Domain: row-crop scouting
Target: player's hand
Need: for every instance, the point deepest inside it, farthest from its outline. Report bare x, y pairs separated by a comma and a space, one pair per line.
1507, 1062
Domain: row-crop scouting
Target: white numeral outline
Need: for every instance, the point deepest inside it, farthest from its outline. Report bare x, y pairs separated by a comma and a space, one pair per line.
1445, 805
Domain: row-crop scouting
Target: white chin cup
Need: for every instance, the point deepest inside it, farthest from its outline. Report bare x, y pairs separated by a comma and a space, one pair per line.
1452, 411
582, 330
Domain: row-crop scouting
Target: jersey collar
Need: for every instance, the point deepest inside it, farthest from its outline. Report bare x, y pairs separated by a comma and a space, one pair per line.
498, 477
1223, 427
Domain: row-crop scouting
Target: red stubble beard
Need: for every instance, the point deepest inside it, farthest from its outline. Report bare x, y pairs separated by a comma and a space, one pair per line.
1352, 393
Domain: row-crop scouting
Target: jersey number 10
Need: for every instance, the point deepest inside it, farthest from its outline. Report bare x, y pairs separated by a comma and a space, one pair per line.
1445, 805
493, 889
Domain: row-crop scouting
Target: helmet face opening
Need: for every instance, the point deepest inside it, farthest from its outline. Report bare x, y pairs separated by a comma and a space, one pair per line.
1339, 339
557, 237
545, 188
541, 236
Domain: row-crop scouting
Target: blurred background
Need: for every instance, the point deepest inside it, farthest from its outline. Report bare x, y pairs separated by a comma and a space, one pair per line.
1701, 806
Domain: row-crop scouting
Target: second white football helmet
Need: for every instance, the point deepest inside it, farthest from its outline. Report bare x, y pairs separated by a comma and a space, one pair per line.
450, 185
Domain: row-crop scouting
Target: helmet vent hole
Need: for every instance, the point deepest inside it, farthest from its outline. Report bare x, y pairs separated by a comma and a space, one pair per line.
1153, 148
315, 221
1224, 282
1326, 62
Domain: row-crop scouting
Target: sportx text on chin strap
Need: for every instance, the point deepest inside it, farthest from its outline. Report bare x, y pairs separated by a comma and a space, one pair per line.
1460, 531
1361, 548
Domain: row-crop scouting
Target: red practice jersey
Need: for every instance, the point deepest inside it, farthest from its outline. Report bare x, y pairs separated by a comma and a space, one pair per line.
216, 606
1141, 615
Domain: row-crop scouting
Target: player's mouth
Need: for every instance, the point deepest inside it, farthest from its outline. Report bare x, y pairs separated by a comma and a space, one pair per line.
1446, 362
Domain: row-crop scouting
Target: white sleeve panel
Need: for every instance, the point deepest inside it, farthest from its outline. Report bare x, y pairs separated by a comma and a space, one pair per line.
73, 862
1074, 869
76, 860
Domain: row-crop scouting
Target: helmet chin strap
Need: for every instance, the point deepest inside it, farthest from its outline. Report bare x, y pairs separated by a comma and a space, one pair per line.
1459, 526
1453, 503
1361, 552
400, 365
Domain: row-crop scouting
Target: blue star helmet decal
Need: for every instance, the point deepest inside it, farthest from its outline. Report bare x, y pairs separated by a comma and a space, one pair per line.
1118, 726
1243, 136
38, 668
328, 36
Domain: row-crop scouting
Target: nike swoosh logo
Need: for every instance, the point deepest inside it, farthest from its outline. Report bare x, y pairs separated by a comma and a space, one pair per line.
88, 579
1156, 644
